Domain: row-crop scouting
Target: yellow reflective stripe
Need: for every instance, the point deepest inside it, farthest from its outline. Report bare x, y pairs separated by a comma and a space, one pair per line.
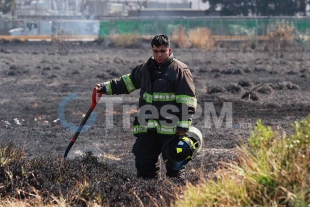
108, 87
129, 85
179, 150
164, 97
166, 130
184, 124
147, 97
139, 129
153, 124
191, 141
189, 100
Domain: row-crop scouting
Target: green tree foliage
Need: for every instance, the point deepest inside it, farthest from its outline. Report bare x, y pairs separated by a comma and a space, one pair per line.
259, 7
7, 6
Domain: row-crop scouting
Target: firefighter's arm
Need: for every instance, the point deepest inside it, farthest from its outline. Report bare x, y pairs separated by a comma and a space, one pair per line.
124, 85
186, 100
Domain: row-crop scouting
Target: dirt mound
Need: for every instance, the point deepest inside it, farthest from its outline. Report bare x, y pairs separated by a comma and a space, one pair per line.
250, 96
15, 70
246, 83
216, 89
286, 85
233, 88
265, 89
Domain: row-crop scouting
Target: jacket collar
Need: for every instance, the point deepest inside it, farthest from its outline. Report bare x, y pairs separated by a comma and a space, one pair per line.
164, 64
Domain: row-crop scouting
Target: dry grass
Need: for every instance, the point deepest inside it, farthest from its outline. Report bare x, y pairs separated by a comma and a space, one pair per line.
180, 38
281, 35
59, 40
197, 38
125, 40
272, 170
9, 155
201, 38
83, 181
247, 46
39, 201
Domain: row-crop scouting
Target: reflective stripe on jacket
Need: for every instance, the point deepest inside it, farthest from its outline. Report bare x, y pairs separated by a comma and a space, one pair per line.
169, 85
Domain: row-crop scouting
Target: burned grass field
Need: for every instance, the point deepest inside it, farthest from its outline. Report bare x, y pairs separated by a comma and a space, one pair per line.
44, 95
82, 181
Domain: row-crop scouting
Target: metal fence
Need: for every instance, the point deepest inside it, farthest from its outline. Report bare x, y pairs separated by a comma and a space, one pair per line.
222, 27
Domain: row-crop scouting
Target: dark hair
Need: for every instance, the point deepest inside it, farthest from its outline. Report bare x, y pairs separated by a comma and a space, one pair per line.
159, 40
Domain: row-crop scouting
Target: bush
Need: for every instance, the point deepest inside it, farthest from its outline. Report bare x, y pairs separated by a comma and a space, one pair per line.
281, 35
180, 38
272, 170
125, 40
201, 38
60, 41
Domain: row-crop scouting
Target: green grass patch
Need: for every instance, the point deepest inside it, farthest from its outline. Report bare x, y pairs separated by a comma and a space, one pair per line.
273, 169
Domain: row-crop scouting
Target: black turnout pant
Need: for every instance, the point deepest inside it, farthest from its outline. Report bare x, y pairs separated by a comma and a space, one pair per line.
147, 150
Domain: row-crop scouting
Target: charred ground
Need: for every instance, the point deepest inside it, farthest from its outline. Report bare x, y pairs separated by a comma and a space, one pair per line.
35, 80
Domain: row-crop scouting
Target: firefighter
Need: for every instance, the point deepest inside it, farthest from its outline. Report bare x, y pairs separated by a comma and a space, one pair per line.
166, 104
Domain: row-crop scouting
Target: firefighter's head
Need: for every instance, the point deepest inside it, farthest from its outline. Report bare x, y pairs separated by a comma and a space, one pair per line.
161, 48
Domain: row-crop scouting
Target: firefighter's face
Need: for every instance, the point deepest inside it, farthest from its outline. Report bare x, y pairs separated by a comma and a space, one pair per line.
161, 53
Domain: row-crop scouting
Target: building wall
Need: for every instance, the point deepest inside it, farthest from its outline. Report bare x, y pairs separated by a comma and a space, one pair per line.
97, 8
196, 4
167, 12
167, 5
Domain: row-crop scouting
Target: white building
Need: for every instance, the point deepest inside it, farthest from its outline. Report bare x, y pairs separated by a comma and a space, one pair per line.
196, 4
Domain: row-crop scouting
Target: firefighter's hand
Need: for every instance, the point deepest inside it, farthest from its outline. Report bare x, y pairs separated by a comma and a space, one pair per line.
99, 87
181, 132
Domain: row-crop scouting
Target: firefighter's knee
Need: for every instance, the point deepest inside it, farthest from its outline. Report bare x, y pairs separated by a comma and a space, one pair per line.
146, 167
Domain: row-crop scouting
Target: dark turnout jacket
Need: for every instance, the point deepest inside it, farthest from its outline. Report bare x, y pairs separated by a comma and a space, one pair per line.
167, 95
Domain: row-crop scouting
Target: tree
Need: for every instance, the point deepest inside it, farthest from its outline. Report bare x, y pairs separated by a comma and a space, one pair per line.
232, 7
259, 7
7, 6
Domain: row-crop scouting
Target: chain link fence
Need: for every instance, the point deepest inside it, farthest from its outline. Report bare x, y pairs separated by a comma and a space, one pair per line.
223, 28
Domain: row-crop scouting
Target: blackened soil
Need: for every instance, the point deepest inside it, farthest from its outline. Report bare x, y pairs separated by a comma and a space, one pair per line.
42, 90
